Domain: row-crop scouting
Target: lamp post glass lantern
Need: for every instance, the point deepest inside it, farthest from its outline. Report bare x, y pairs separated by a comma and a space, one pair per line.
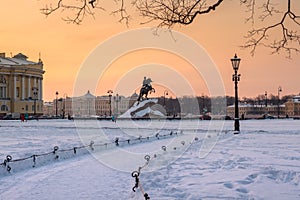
235, 61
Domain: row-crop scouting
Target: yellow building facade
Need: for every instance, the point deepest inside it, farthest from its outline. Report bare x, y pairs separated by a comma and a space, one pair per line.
21, 86
293, 106
290, 108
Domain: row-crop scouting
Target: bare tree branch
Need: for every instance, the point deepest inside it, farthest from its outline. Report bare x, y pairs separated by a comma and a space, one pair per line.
288, 36
268, 10
171, 12
250, 5
279, 28
78, 10
121, 11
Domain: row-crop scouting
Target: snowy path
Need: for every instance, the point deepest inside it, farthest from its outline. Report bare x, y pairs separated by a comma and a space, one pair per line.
263, 162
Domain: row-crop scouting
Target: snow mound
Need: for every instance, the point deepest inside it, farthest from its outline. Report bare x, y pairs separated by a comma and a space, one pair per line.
145, 109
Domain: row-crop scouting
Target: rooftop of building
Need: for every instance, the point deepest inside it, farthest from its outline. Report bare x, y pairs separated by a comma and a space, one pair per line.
242, 105
16, 60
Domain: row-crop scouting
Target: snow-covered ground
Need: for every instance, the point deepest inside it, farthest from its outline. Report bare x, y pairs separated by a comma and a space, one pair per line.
262, 162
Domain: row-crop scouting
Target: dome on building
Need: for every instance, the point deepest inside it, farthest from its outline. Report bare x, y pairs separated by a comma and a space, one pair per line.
88, 95
134, 95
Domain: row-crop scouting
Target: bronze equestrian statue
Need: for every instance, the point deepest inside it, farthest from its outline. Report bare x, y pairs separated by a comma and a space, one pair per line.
147, 87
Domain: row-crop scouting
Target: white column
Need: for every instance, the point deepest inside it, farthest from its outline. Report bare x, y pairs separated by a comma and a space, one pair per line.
40, 88
6, 88
23, 87
15, 88
34, 82
29, 87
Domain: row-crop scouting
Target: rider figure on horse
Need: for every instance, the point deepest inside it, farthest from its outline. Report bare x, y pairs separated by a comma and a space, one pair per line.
146, 88
147, 82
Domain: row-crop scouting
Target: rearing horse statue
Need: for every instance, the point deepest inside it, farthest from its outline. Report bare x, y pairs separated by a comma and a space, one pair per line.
145, 90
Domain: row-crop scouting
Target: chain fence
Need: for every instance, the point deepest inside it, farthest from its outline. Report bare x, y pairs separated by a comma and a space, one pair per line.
11, 165
164, 150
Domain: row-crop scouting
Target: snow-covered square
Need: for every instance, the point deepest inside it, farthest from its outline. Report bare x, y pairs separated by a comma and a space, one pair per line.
188, 159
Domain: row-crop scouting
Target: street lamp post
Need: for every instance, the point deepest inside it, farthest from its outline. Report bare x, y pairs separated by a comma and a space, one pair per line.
235, 61
203, 112
278, 107
64, 105
56, 93
117, 99
109, 95
266, 103
35, 94
266, 98
165, 94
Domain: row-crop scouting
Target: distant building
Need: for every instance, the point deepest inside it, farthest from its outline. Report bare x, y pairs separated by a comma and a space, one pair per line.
89, 105
121, 104
48, 109
84, 106
102, 105
293, 106
21, 85
290, 108
257, 111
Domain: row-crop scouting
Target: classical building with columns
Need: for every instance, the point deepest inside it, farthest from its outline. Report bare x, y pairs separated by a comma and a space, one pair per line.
89, 105
21, 86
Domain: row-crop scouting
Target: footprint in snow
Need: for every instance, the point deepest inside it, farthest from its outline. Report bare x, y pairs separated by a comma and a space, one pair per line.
228, 185
242, 190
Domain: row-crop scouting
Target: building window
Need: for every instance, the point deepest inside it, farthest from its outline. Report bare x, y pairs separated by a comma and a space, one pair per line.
4, 108
18, 91
2, 79
26, 107
3, 86
2, 93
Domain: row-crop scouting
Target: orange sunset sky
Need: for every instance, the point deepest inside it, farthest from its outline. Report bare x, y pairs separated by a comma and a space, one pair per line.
65, 47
